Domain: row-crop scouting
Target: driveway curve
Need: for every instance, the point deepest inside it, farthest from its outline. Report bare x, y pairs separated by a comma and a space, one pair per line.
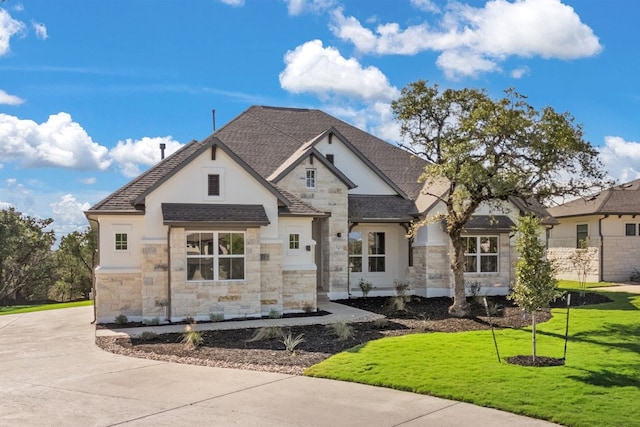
52, 374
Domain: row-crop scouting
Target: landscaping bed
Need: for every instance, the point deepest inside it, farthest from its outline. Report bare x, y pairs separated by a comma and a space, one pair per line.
236, 349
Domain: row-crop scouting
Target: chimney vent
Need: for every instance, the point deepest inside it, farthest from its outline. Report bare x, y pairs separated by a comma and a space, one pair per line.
162, 147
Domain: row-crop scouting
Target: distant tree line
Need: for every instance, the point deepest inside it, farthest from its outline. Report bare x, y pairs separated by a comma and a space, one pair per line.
31, 270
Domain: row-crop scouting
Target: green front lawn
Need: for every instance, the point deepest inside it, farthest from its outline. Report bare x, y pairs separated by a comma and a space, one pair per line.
598, 386
16, 309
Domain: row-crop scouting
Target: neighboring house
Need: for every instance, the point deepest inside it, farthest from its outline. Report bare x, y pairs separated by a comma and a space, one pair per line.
608, 225
280, 207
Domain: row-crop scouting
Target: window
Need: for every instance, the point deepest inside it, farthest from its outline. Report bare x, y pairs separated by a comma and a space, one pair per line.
121, 242
215, 256
376, 252
355, 251
214, 185
481, 254
311, 178
294, 241
330, 158
374, 258
629, 229
582, 234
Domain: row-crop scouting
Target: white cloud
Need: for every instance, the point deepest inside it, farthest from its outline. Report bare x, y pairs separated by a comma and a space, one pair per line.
426, 5
58, 142
88, 181
519, 72
8, 28
7, 99
314, 68
41, 30
130, 154
475, 40
69, 211
621, 158
298, 7
236, 3
376, 118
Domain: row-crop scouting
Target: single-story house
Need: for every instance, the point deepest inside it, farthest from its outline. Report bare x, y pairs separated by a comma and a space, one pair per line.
276, 209
607, 226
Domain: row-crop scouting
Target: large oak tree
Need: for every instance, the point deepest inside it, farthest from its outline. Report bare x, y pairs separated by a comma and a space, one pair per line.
490, 150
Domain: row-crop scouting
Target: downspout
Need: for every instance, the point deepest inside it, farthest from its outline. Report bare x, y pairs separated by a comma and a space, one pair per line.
601, 275
169, 274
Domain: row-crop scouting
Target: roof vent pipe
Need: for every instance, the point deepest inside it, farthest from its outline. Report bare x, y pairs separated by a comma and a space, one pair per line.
162, 147
213, 117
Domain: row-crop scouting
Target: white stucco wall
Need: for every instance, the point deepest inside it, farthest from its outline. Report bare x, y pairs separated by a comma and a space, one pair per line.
354, 168
296, 259
110, 258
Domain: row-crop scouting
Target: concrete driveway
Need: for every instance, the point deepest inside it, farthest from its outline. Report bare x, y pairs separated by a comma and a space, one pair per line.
52, 374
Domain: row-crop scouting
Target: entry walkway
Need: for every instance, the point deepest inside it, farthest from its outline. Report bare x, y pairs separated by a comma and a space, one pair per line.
52, 374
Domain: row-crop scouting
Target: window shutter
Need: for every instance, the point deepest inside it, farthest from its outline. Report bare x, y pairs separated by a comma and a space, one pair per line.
214, 185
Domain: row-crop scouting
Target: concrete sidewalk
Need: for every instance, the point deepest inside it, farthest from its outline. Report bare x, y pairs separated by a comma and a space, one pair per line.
52, 374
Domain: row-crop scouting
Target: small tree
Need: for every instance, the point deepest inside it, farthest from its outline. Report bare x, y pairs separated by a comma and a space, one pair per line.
536, 285
581, 259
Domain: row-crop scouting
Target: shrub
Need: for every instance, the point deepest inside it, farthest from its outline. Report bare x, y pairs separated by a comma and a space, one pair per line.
216, 317
148, 336
308, 308
365, 287
424, 325
635, 275
191, 338
121, 320
154, 321
274, 314
190, 320
381, 323
267, 333
291, 343
342, 330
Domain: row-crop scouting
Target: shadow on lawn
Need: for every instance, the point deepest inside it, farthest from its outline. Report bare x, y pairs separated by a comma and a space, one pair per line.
608, 378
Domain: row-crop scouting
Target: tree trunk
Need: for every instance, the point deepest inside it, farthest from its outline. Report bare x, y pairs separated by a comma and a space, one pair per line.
460, 307
533, 333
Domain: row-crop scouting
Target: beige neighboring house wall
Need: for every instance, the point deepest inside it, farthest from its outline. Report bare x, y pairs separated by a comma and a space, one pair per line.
612, 221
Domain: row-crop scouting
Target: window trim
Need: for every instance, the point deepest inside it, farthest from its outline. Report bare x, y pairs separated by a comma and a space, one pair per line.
578, 233
365, 256
626, 229
121, 242
310, 178
216, 256
294, 239
479, 254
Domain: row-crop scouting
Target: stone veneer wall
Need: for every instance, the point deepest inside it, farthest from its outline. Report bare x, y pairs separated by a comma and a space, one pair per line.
566, 269
230, 299
154, 281
330, 195
116, 294
621, 256
271, 282
299, 290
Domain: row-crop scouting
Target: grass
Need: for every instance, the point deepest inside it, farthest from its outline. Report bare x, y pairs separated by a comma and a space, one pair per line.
599, 385
17, 309
574, 284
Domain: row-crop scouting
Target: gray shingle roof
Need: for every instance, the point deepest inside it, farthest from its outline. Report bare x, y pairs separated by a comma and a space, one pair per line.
619, 200
265, 137
297, 207
219, 214
380, 208
489, 223
122, 200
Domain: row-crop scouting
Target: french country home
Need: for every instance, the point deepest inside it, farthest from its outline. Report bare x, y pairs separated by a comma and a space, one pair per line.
278, 208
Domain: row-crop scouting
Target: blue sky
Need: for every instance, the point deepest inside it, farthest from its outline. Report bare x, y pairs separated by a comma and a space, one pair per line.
88, 89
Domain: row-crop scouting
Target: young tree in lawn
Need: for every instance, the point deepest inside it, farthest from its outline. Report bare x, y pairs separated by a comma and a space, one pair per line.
487, 150
536, 285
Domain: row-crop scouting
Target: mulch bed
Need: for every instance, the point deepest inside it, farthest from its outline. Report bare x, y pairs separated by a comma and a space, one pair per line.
236, 349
